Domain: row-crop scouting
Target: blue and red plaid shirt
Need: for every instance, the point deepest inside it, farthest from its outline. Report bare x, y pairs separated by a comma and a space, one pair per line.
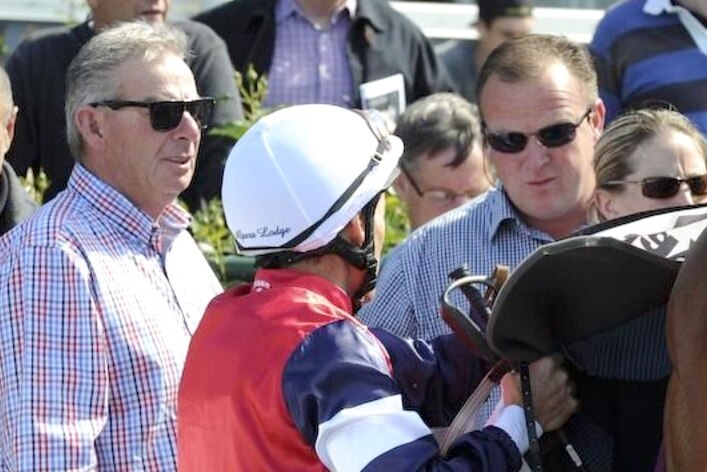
98, 304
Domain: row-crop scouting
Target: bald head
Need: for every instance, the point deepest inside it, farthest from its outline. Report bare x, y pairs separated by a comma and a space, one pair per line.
6, 102
8, 113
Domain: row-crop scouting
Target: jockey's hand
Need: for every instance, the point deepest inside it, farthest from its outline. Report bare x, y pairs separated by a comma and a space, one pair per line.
553, 393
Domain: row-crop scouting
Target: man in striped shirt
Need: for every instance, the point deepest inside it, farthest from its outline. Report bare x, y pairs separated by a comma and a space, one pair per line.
103, 287
653, 52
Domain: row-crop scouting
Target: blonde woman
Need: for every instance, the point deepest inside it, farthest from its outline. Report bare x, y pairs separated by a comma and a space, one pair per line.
648, 159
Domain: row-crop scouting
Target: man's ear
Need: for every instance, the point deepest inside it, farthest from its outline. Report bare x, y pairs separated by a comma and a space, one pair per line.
401, 185
597, 118
10, 125
90, 123
354, 231
606, 204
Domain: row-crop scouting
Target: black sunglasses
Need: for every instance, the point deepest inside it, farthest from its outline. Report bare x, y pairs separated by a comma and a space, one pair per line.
551, 136
665, 187
165, 116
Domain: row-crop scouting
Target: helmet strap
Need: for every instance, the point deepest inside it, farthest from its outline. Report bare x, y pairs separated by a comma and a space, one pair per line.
362, 257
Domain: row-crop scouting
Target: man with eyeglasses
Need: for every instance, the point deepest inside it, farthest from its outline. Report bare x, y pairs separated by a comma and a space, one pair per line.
442, 165
541, 115
103, 287
37, 69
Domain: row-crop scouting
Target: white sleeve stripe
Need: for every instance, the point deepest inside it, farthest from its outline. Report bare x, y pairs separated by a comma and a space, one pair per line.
355, 436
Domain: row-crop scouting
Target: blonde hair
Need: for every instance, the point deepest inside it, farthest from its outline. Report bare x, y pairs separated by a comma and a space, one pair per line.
619, 142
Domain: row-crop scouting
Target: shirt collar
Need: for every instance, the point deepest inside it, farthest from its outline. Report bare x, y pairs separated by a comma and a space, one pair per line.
125, 215
371, 13
657, 7
285, 8
266, 279
504, 211
694, 27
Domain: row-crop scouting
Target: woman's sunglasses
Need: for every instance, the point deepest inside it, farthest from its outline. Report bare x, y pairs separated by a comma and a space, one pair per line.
165, 116
665, 187
551, 136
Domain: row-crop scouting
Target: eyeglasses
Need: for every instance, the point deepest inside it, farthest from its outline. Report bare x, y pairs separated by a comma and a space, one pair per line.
439, 197
551, 136
165, 116
665, 187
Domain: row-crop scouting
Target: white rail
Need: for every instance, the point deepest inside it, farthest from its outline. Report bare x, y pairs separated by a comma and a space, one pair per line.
437, 20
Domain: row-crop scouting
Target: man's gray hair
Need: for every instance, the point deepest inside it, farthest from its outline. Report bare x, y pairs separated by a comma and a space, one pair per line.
91, 75
6, 102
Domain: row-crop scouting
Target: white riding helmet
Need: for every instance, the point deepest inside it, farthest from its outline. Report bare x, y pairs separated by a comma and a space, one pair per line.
299, 175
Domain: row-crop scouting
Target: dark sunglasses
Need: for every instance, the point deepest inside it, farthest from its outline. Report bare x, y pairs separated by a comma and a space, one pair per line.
665, 187
551, 136
165, 116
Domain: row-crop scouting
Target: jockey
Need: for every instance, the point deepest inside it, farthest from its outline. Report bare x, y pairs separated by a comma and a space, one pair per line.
280, 375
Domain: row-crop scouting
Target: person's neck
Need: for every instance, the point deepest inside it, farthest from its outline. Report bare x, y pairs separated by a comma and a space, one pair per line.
320, 11
559, 228
334, 269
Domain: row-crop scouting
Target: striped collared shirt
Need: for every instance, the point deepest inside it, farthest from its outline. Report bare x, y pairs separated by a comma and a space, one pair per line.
98, 305
310, 63
484, 232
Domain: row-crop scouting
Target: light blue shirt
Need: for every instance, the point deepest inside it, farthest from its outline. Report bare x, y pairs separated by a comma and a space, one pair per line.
482, 233
486, 231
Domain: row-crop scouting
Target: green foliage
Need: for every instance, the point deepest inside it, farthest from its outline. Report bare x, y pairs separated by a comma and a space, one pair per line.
397, 224
36, 186
252, 88
4, 48
211, 233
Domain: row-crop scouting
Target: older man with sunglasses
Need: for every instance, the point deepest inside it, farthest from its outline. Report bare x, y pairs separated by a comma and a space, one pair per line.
103, 287
37, 69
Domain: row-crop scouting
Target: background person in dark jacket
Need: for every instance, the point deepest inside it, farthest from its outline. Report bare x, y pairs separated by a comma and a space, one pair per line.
653, 51
15, 204
498, 21
37, 69
322, 51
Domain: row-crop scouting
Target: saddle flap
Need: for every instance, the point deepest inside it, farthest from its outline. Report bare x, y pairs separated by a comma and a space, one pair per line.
572, 289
